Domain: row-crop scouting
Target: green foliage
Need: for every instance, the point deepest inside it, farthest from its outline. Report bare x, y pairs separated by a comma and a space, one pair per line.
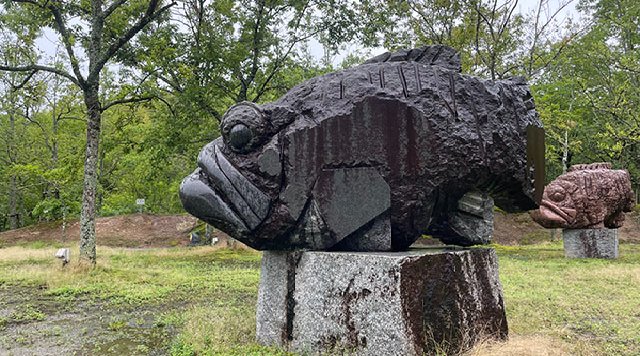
116, 323
587, 99
26, 313
52, 208
585, 80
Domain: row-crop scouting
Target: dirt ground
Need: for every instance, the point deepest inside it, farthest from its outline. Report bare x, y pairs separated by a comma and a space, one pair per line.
139, 230
519, 229
143, 230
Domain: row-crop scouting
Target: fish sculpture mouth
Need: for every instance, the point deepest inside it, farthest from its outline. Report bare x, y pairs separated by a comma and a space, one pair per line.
552, 214
219, 194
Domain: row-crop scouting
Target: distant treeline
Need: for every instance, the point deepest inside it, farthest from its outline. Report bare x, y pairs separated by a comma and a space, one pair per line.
169, 85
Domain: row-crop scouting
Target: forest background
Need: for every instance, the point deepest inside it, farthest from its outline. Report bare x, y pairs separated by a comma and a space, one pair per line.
159, 75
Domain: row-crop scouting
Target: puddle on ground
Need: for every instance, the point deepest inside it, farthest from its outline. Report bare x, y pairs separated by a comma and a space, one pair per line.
129, 341
33, 323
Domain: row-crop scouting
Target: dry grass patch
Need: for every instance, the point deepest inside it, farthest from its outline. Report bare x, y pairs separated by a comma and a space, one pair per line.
18, 253
519, 345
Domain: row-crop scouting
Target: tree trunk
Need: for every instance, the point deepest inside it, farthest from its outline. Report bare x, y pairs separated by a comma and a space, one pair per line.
13, 204
99, 176
20, 215
64, 220
565, 143
207, 234
88, 212
13, 192
565, 152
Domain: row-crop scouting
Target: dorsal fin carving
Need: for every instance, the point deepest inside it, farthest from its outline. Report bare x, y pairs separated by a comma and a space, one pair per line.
590, 166
437, 55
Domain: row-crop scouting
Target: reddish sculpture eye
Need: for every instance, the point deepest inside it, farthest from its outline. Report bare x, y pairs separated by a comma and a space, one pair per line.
557, 196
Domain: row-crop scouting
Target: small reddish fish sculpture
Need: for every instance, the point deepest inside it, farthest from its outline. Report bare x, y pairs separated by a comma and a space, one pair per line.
587, 196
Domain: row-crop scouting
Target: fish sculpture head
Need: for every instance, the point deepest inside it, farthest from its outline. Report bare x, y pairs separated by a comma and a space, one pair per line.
558, 207
240, 173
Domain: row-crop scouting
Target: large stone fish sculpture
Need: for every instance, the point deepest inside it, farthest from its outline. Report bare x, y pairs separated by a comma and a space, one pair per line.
587, 196
370, 158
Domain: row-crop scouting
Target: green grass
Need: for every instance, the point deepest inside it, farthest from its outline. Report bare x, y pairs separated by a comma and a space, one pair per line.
133, 277
580, 307
27, 312
592, 304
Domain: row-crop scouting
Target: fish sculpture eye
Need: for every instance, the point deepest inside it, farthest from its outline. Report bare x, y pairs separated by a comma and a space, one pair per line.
242, 126
239, 136
557, 196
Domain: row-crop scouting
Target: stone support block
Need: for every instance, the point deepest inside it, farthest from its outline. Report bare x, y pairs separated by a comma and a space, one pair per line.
403, 303
590, 243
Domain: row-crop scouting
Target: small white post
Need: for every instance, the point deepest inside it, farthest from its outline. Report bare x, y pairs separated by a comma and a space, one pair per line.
140, 203
63, 254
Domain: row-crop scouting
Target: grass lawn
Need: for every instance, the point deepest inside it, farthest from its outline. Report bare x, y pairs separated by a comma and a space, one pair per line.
201, 301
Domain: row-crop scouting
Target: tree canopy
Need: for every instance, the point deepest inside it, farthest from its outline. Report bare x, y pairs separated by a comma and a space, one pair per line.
133, 89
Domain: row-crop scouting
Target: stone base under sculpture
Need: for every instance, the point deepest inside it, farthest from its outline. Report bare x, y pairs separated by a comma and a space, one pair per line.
590, 243
403, 303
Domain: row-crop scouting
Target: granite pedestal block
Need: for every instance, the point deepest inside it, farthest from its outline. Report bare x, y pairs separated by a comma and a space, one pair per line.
402, 303
590, 243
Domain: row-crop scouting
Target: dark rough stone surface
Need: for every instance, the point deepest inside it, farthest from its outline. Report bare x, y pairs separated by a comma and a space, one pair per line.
588, 196
590, 243
379, 303
374, 236
470, 224
406, 125
463, 301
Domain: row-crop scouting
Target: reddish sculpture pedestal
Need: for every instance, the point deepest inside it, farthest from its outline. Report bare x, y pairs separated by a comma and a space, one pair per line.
590, 243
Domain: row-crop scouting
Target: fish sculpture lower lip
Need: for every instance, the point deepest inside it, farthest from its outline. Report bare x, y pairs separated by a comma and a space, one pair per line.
554, 213
216, 192
201, 201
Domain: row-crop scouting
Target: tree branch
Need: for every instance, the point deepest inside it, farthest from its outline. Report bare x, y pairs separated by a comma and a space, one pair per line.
126, 101
37, 67
113, 7
150, 15
15, 88
168, 106
64, 33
